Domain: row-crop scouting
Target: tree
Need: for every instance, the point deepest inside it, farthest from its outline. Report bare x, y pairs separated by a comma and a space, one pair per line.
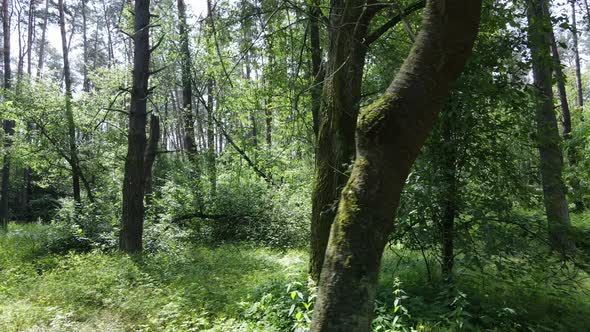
551, 158
389, 136
73, 149
134, 181
7, 124
580, 93
349, 40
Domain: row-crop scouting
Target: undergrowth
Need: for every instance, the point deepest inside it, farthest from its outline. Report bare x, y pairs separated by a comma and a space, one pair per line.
181, 286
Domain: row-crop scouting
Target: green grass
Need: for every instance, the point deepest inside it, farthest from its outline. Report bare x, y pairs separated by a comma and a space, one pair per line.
188, 287
225, 288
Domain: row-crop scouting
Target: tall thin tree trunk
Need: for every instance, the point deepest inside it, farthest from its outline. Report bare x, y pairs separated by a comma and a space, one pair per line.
8, 125
211, 155
43, 40
85, 80
565, 117
187, 102
389, 136
75, 164
548, 134
449, 194
109, 33
30, 29
317, 79
130, 238
577, 56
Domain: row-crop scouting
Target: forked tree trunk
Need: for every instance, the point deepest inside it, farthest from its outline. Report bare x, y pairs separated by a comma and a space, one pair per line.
349, 20
8, 125
130, 238
548, 134
336, 119
389, 136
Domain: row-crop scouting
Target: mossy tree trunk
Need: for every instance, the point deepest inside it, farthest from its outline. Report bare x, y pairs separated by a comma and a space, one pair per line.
389, 136
551, 158
337, 118
336, 121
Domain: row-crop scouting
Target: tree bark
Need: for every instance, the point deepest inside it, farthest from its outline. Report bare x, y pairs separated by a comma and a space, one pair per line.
551, 159
7, 124
68, 104
130, 238
389, 136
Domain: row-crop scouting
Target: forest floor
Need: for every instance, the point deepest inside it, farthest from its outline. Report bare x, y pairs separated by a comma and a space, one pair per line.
240, 287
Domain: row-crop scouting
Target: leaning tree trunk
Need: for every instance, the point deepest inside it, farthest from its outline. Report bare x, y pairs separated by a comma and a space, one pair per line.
130, 238
75, 164
548, 134
389, 136
7, 124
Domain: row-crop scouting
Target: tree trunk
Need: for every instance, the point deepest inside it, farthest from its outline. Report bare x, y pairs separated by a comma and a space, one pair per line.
69, 112
130, 238
30, 35
577, 56
187, 103
449, 194
109, 33
565, 117
211, 155
150, 155
389, 136
317, 73
548, 134
7, 124
85, 80
337, 119
43, 40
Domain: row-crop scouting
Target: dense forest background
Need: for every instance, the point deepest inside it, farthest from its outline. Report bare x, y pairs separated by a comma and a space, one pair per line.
173, 165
